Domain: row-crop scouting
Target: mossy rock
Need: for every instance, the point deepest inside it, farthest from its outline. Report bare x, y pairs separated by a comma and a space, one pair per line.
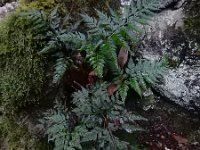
15, 136
22, 73
192, 19
71, 8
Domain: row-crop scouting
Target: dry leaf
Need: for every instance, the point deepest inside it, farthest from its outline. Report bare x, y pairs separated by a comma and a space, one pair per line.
122, 57
112, 88
92, 77
180, 139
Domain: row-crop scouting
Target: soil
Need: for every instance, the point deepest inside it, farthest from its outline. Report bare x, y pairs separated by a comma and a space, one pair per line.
170, 128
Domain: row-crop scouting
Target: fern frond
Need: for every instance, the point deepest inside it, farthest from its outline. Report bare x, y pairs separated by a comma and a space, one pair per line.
62, 64
36, 19
54, 19
123, 90
135, 85
91, 22
51, 46
97, 117
143, 73
77, 39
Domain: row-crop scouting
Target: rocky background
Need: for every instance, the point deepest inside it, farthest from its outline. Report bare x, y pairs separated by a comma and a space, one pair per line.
171, 34
6, 7
167, 36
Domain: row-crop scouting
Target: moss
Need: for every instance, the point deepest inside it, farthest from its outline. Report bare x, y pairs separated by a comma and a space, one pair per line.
46, 5
22, 72
17, 137
73, 8
192, 19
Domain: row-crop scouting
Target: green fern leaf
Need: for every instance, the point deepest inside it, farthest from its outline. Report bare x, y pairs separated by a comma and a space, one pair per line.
55, 19
123, 90
60, 68
135, 86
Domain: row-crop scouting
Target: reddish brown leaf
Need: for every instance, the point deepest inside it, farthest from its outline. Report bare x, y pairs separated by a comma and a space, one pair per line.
180, 139
92, 73
112, 88
92, 77
122, 57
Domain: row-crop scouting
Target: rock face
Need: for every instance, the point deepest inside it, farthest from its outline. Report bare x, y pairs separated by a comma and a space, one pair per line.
172, 4
3, 2
182, 87
166, 37
8, 7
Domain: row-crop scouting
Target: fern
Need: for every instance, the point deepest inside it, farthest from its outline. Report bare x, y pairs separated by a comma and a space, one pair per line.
117, 30
144, 73
60, 67
94, 119
58, 130
105, 36
123, 90
34, 18
59, 41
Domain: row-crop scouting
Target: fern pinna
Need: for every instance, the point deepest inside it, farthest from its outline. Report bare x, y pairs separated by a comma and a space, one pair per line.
92, 122
140, 75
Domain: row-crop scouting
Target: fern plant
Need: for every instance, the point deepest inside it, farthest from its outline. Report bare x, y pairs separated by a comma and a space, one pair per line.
94, 119
139, 76
59, 132
105, 36
58, 38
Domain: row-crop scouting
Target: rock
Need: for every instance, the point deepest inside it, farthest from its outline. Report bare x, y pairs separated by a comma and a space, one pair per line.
148, 100
182, 86
31, 121
169, 3
3, 2
8, 7
164, 4
166, 37
173, 4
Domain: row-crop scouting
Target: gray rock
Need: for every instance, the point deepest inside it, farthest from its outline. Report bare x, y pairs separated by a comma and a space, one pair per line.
173, 4
8, 7
164, 4
3, 2
165, 37
182, 86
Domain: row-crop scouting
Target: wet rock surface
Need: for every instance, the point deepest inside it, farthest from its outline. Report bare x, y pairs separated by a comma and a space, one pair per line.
166, 37
182, 87
172, 4
170, 127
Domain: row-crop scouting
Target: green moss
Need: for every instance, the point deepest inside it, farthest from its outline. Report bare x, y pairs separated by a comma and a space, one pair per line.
22, 73
17, 137
21, 69
73, 8
46, 5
